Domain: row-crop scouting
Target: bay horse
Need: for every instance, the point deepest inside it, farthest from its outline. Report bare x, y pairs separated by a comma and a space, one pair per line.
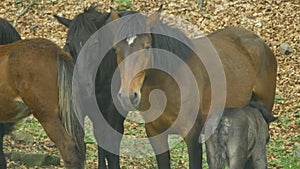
240, 139
80, 29
248, 63
35, 78
8, 34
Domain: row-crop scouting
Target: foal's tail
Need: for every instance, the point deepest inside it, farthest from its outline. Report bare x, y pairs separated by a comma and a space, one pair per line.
221, 138
67, 113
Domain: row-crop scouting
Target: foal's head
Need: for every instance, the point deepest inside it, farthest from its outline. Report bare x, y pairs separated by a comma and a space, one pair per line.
134, 55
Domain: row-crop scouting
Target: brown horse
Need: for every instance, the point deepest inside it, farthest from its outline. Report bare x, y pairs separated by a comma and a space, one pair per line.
8, 34
248, 63
35, 78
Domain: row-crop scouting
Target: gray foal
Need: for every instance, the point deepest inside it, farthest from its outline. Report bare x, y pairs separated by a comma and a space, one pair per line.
240, 139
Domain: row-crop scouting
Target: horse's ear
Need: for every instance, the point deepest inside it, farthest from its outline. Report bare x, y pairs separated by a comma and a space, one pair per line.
102, 19
153, 18
63, 21
113, 14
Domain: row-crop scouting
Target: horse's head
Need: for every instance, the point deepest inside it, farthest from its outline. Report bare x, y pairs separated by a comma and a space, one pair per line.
134, 55
81, 28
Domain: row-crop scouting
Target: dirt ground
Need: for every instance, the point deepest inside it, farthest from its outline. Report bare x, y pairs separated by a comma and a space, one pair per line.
275, 21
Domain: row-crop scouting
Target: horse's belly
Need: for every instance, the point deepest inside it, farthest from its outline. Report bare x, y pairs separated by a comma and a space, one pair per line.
240, 82
12, 107
12, 110
240, 76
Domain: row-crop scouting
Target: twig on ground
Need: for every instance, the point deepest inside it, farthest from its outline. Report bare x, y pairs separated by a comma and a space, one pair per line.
23, 12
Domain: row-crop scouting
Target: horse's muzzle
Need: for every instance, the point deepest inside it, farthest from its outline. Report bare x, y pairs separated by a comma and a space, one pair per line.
129, 102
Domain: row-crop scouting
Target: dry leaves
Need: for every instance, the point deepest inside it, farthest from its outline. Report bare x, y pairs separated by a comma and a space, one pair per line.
276, 21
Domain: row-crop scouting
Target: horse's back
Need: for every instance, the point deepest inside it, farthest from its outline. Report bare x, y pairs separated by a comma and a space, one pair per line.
238, 66
249, 65
38, 47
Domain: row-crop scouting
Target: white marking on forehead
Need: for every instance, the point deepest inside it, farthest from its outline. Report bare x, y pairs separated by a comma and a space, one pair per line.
131, 39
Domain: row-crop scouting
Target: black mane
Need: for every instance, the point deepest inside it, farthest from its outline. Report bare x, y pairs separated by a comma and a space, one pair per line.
163, 36
8, 33
172, 40
84, 25
88, 20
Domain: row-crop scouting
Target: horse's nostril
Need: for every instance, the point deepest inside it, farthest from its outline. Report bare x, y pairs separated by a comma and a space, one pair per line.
120, 96
134, 97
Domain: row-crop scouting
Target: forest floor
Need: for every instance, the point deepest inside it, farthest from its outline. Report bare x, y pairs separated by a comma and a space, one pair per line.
275, 21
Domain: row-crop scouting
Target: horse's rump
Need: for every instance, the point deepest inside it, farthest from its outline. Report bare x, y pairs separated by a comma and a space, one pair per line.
246, 60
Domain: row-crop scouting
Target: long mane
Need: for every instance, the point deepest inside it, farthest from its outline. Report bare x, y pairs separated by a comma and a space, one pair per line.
88, 22
163, 36
171, 39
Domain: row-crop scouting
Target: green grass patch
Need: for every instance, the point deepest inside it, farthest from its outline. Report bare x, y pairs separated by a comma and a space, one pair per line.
123, 5
284, 159
278, 99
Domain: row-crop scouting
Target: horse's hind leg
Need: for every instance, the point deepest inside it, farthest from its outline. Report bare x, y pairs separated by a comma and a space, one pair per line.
2, 157
212, 152
216, 148
57, 133
265, 83
45, 109
259, 155
249, 164
237, 143
5, 128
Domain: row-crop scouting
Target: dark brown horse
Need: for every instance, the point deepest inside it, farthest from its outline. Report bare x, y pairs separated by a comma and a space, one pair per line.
249, 66
8, 34
80, 29
35, 78
240, 139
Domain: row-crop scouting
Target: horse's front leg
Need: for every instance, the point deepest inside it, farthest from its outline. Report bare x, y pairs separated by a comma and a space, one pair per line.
159, 143
101, 158
111, 139
194, 148
112, 159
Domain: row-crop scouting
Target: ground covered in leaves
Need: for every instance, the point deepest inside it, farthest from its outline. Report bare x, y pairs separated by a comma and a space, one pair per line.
276, 21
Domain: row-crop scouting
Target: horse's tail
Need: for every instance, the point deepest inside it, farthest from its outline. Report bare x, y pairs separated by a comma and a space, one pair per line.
67, 112
263, 110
